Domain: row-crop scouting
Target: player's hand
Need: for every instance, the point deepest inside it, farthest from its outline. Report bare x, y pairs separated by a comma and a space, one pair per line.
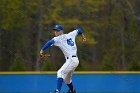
44, 56
83, 37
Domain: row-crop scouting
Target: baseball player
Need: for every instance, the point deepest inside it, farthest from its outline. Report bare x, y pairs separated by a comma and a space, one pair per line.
66, 42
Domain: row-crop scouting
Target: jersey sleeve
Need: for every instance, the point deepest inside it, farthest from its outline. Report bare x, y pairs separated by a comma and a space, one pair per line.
76, 32
56, 39
73, 33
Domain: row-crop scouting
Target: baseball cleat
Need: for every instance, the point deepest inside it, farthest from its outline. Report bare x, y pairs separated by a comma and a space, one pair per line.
55, 91
74, 91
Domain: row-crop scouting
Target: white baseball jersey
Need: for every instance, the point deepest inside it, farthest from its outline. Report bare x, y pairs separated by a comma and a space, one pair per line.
66, 42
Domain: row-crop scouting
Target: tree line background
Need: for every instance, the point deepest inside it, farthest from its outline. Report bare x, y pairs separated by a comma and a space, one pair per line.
112, 28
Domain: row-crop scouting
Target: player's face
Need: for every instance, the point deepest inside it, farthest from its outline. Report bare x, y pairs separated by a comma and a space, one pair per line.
57, 33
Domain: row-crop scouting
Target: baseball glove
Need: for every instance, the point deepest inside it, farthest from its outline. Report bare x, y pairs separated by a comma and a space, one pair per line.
44, 56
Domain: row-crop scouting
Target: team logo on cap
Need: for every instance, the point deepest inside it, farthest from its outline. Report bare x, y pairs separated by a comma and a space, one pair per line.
56, 26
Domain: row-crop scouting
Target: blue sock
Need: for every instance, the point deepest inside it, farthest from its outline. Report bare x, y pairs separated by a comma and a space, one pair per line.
70, 86
59, 83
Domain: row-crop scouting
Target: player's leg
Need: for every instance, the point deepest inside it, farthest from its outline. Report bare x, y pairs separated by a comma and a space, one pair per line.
59, 80
70, 70
61, 74
68, 81
59, 84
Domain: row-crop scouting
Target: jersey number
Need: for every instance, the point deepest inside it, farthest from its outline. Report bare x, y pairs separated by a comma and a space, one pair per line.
70, 42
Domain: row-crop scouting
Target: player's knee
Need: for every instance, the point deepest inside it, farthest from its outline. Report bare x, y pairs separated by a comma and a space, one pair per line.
60, 74
67, 81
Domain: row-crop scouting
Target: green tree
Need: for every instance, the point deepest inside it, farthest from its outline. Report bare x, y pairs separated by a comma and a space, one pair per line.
17, 64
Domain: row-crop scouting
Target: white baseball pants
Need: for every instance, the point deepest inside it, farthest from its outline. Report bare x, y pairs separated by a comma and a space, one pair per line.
67, 69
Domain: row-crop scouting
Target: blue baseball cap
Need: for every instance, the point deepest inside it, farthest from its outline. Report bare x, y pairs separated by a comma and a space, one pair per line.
58, 27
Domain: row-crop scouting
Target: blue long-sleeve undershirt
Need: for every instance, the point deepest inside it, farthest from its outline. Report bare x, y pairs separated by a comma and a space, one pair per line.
79, 31
48, 44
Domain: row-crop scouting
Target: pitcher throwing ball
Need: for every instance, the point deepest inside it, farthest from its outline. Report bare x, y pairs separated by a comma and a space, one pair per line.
66, 42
